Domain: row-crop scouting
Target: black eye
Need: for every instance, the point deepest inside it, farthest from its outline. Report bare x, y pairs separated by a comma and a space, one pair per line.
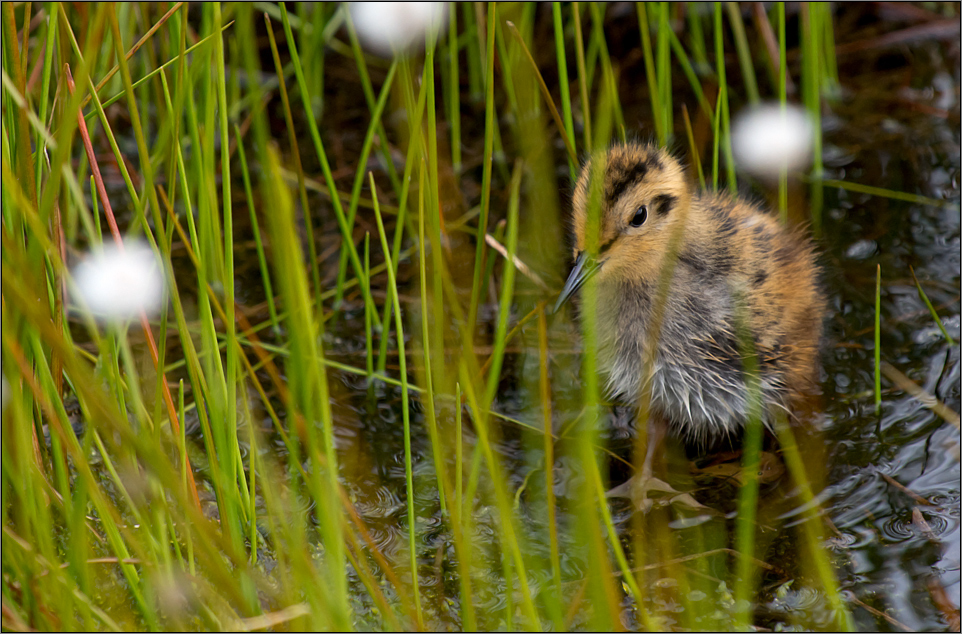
640, 216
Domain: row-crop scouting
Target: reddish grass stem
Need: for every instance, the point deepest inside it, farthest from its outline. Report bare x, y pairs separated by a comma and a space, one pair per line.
118, 239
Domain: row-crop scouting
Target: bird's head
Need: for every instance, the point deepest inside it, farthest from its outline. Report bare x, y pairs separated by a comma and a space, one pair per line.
625, 204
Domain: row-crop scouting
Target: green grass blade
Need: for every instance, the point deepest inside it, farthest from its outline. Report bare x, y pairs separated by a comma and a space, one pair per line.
744, 52
928, 304
348, 240
563, 83
405, 413
255, 228
490, 124
582, 75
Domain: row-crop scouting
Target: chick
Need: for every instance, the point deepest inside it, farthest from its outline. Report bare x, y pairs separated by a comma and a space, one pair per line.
740, 281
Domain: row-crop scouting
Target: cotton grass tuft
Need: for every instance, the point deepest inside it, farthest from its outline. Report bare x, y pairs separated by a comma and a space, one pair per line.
392, 28
768, 139
117, 284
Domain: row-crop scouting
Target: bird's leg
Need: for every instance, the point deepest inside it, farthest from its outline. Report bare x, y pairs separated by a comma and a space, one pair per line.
657, 430
638, 486
641, 483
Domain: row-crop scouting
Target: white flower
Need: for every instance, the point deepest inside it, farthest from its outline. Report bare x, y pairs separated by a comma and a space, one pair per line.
118, 284
768, 139
389, 28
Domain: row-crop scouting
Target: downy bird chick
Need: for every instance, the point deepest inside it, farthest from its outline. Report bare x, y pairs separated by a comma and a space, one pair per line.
741, 280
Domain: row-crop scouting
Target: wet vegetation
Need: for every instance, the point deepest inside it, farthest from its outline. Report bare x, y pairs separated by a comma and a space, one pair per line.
355, 408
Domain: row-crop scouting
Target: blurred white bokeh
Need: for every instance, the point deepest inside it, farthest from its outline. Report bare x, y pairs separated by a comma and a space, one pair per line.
117, 284
767, 139
392, 28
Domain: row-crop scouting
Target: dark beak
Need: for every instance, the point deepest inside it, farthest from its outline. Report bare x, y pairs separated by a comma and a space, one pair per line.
585, 267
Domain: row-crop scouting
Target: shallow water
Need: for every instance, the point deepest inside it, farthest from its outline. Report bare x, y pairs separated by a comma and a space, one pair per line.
892, 494
892, 559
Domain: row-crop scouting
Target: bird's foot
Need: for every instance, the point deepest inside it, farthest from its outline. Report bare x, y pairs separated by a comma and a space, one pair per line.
638, 487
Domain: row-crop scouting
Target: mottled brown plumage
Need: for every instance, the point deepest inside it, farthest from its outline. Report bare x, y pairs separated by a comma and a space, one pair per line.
736, 266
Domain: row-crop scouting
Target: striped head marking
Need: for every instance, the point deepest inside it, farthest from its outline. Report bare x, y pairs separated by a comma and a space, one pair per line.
636, 193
